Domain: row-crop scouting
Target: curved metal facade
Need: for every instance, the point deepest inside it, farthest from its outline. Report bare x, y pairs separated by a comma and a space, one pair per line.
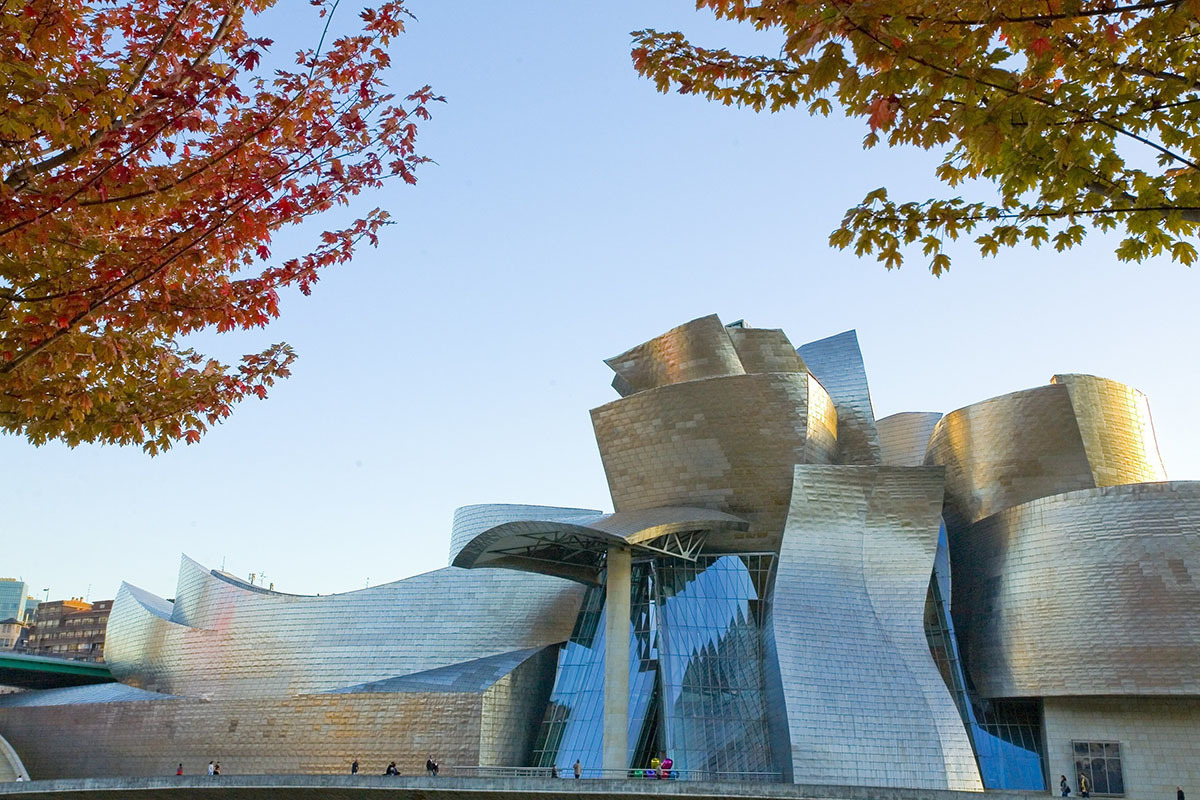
1092, 592
1079, 432
697, 349
862, 701
837, 363
904, 437
1118, 434
230, 640
787, 594
723, 443
1009, 450
470, 521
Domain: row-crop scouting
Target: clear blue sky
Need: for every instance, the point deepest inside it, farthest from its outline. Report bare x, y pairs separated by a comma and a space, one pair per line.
573, 212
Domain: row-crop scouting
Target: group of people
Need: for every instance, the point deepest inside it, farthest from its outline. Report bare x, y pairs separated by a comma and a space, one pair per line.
213, 769
431, 767
1085, 787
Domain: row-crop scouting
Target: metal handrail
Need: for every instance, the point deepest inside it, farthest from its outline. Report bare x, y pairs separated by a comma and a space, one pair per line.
481, 771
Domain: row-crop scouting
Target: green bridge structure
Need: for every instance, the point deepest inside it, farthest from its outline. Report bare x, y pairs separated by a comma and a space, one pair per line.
43, 672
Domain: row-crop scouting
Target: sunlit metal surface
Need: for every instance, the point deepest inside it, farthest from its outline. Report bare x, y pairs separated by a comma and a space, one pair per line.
904, 437
723, 443
858, 683
575, 546
1093, 592
837, 363
234, 642
697, 349
1008, 450
1079, 432
1118, 434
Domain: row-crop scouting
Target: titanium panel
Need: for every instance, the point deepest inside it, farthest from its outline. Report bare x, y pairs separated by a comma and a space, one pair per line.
697, 349
1009, 450
838, 364
246, 643
1093, 592
576, 547
863, 701
726, 443
1118, 434
904, 437
765, 350
470, 521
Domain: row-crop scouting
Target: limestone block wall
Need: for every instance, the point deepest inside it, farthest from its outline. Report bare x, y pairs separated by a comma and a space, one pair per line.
1159, 738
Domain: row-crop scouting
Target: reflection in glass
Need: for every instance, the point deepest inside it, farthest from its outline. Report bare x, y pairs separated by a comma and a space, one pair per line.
1006, 734
696, 684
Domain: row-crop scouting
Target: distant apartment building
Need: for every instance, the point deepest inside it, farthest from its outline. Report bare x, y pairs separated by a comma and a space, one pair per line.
70, 629
11, 629
14, 596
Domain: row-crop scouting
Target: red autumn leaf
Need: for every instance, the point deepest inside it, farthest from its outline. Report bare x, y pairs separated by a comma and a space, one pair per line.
113, 254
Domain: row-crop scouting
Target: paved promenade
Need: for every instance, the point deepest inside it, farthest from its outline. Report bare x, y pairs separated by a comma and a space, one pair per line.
362, 787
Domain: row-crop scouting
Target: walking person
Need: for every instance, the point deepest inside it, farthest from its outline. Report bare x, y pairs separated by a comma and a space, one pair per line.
354, 767
211, 768
1063, 786
429, 767
179, 770
1178, 793
217, 768
578, 768
1085, 786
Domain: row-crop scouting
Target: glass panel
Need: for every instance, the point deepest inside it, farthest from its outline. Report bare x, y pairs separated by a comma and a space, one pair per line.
1116, 780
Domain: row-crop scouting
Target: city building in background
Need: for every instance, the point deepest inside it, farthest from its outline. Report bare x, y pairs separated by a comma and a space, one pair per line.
12, 631
787, 589
14, 597
73, 629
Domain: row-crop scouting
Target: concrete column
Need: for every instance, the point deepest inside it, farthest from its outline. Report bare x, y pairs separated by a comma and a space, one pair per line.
616, 661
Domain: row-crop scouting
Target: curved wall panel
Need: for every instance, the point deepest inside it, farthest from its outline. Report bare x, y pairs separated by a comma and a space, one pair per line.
1118, 434
837, 363
904, 437
697, 349
241, 642
727, 444
1009, 450
765, 350
1092, 592
470, 521
864, 702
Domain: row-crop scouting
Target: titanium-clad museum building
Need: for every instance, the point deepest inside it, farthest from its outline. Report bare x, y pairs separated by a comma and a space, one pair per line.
787, 589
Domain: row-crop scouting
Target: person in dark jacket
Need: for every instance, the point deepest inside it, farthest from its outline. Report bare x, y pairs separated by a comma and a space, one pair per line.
1178, 793
354, 767
1063, 786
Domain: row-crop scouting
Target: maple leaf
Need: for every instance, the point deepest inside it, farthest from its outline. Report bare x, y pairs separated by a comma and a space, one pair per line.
1059, 104
114, 254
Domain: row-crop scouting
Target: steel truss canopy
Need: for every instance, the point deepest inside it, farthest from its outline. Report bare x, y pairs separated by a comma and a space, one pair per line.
576, 547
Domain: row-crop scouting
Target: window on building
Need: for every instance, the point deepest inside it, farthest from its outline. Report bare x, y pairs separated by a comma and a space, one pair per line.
1100, 763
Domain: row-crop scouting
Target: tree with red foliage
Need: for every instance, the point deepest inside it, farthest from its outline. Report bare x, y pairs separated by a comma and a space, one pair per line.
146, 163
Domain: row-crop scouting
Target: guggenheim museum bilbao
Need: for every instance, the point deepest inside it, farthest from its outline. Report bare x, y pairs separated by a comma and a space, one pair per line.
788, 589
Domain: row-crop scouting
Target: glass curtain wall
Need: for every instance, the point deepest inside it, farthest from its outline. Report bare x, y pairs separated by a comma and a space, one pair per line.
573, 727
1005, 734
696, 671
